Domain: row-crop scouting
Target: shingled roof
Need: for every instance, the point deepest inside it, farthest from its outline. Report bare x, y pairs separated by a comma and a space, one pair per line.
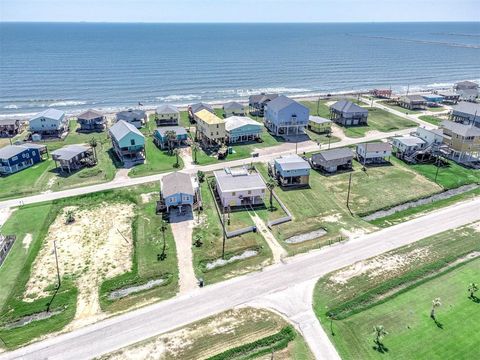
177, 183
346, 107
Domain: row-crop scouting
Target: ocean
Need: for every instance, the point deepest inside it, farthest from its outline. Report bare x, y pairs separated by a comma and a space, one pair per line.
75, 66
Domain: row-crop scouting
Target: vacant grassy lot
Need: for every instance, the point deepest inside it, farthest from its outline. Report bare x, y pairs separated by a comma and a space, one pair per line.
44, 177
208, 229
31, 225
318, 108
435, 120
212, 336
399, 108
396, 290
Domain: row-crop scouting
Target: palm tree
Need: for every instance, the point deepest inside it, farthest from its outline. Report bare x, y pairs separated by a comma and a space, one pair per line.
271, 183
171, 136
69, 217
436, 303
177, 154
198, 240
163, 228
379, 332
195, 148
93, 144
472, 289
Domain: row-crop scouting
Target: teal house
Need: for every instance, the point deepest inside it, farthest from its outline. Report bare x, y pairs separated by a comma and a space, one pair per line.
160, 136
128, 142
242, 129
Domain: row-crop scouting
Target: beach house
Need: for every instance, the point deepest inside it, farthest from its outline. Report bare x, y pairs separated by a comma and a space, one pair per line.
290, 170
128, 143
373, 153
177, 190
433, 99
73, 157
135, 117
466, 113
468, 90
319, 124
167, 115
382, 93
166, 136
91, 120
242, 129
347, 113
449, 96
14, 158
333, 160
233, 108
258, 102
430, 136
9, 127
412, 102
239, 187
51, 122
284, 116
210, 128
463, 142
194, 108
406, 145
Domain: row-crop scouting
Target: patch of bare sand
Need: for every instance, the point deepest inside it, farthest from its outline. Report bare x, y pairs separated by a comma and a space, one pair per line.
352, 234
333, 218
475, 226
95, 247
5, 214
379, 265
146, 198
26, 241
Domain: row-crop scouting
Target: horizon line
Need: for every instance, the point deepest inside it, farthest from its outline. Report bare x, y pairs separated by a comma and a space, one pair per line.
240, 22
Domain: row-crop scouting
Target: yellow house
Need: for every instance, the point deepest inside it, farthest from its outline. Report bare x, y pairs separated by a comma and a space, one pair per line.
319, 125
210, 128
462, 140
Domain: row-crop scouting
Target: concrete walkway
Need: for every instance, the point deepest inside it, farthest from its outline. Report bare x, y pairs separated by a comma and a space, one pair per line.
277, 250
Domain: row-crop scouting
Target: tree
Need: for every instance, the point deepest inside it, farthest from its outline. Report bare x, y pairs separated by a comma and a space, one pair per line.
200, 176
271, 183
436, 303
472, 289
171, 136
93, 144
163, 228
69, 217
198, 240
195, 149
177, 154
379, 332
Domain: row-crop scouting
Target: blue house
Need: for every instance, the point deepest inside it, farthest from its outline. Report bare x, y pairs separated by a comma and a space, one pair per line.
433, 98
177, 190
160, 136
284, 116
241, 129
14, 158
290, 170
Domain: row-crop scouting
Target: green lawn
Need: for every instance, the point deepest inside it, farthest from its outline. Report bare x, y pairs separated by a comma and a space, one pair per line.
399, 298
210, 231
399, 108
322, 138
318, 108
435, 120
157, 160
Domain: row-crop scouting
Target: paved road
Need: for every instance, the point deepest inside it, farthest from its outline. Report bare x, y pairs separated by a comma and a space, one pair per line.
267, 154
122, 330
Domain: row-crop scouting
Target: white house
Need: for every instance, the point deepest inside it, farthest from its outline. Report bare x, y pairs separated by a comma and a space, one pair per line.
373, 153
430, 136
242, 128
49, 122
238, 187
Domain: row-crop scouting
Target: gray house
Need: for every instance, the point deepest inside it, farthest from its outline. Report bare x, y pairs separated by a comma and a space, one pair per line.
233, 108
49, 122
466, 113
193, 109
167, 115
332, 160
449, 96
177, 190
412, 102
73, 157
91, 120
373, 153
136, 117
258, 102
347, 113
284, 116
9, 127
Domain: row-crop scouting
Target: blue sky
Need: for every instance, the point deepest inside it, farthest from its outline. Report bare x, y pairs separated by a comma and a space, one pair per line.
239, 10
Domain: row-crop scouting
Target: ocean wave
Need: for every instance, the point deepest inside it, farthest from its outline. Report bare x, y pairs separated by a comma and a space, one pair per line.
64, 103
171, 98
11, 106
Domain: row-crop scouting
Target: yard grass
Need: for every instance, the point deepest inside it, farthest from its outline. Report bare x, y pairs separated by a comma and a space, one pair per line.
207, 340
314, 208
318, 108
322, 138
44, 177
435, 120
36, 220
157, 160
399, 108
399, 296
210, 231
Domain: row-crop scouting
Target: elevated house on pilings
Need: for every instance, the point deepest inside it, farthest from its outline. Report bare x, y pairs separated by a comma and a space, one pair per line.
463, 143
73, 157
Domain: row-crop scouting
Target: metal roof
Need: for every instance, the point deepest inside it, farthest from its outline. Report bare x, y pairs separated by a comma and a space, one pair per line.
467, 85
467, 108
121, 128
319, 119
208, 117
235, 122
90, 114
179, 130
292, 162
378, 146
461, 129
50, 114
232, 180
69, 152
12, 150
414, 98
281, 102
335, 154
345, 106
233, 105
201, 106
131, 115
409, 140
176, 183
167, 109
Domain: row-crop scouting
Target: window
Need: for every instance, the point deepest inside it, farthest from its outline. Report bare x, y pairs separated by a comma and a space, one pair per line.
15, 158
132, 141
172, 200
186, 198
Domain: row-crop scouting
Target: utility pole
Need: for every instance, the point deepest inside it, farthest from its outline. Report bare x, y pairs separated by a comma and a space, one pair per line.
329, 138
224, 234
438, 167
348, 194
296, 147
318, 106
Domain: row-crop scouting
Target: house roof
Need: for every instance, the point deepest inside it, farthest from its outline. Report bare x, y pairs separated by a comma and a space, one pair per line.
177, 183
345, 106
467, 108
447, 93
208, 117
281, 102
201, 106
90, 114
12, 150
335, 154
8, 121
433, 97
69, 152
235, 122
122, 128
179, 130
50, 113
232, 105
374, 147
319, 120
292, 162
238, 180
467, 84
414, 98
461, 129
131, 115
167, 109
409, 140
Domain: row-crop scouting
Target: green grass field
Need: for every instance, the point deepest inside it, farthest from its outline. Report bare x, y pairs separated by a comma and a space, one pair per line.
399, 108
431, 119
210, 232
399, 297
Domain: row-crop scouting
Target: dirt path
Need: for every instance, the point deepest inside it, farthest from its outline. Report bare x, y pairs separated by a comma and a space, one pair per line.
5, 214
186, 155
182, 228
277, 250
